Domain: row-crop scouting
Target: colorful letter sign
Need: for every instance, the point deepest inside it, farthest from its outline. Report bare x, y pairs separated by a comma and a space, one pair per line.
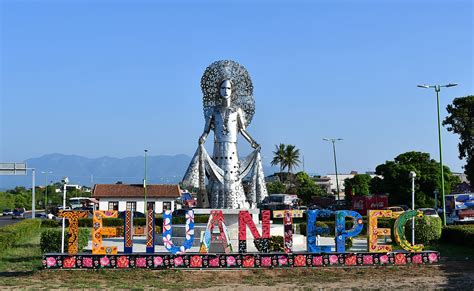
312, 230
341, 232
288, 229
168, 232
127, 232
150, 231
373, 232
73, 217
216, 217
261, 241
98, 231
399, 229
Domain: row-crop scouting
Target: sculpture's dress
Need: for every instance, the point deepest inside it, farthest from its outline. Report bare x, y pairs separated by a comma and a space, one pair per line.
227, 123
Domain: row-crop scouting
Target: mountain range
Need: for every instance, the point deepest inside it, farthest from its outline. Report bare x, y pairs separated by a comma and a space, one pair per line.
161, 169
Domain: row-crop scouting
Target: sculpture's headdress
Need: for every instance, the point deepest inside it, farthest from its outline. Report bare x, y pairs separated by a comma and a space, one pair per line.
242, 88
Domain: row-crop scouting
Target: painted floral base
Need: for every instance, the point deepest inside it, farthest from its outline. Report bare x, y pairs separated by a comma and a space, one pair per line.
247, 260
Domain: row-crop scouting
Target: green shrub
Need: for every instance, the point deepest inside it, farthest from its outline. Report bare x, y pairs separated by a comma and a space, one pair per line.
459, 235
18, 232
47, 223
277, 243
50, 241
427, 229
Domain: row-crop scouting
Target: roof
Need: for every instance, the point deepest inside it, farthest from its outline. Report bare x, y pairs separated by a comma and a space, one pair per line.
135, 190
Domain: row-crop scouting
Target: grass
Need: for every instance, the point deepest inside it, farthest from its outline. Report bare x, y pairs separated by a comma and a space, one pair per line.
25, 255
20, 267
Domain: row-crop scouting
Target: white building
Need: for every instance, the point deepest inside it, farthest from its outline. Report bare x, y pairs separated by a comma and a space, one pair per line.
123, 197
329, 180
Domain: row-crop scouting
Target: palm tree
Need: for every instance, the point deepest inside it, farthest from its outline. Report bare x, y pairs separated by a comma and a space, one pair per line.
279, 158
292, 157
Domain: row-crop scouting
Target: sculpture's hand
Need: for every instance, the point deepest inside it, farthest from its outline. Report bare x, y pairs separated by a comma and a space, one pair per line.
202, 140
256, 146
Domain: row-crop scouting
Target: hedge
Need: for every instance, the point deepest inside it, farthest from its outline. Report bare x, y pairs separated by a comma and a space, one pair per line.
459, 235
50, 241
427, 229
48, 223
17, 232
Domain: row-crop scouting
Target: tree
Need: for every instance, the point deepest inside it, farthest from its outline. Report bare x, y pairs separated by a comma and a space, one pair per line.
292, 157
306, 188
276, 187
357, 185
397, 183
279, 158
461, 121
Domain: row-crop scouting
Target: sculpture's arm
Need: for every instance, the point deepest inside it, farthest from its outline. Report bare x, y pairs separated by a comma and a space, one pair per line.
207, 129
249, 138
244, 132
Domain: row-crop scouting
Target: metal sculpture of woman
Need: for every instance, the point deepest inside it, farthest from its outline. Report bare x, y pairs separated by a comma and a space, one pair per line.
228, 109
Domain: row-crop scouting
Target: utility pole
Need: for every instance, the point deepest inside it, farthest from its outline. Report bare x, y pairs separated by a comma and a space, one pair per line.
333, 140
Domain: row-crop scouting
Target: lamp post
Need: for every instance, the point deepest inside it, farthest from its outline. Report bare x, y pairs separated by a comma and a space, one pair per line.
65, 181
333, 140
144, 187
46, 191
437, 90
412, 177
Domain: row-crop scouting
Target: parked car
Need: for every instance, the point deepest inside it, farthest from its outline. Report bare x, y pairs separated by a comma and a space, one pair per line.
429, 212
405, 208
7, 212
136, 214
465, 215
18, 213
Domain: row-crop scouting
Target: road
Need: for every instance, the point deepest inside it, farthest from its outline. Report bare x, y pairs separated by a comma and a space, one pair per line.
6, 220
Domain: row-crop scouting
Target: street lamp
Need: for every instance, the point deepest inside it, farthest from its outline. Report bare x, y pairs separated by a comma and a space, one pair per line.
144, 187
412, 177
333, 140
65, 181
437, 89
46, 191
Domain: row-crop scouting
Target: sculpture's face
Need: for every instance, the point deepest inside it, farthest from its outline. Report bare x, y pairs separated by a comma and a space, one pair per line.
226, 89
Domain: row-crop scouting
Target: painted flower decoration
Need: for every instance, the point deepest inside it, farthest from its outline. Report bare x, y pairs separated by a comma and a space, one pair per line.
167, 241
300, 261
178, 261
282, 260
333, 259
351, 260
166, 224
122, 262
368, 260
189, 233
69, 262
400, 259
141, 262
317, 260
87, 262
158, 261
248, 262
417, 259
433, 258
104, 261
384, 259
189, 216
231, 261
214, 262
50, 262
196, 261
266, 261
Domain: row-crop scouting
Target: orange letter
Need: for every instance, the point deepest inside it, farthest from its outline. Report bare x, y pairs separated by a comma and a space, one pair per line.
73, 217
98, 231
373, 232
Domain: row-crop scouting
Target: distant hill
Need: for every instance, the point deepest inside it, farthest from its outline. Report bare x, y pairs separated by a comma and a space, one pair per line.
86, 171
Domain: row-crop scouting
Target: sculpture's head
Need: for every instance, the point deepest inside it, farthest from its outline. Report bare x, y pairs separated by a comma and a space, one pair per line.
226, 89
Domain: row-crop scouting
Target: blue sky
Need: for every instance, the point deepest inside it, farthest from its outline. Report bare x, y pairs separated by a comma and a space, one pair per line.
104, 78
